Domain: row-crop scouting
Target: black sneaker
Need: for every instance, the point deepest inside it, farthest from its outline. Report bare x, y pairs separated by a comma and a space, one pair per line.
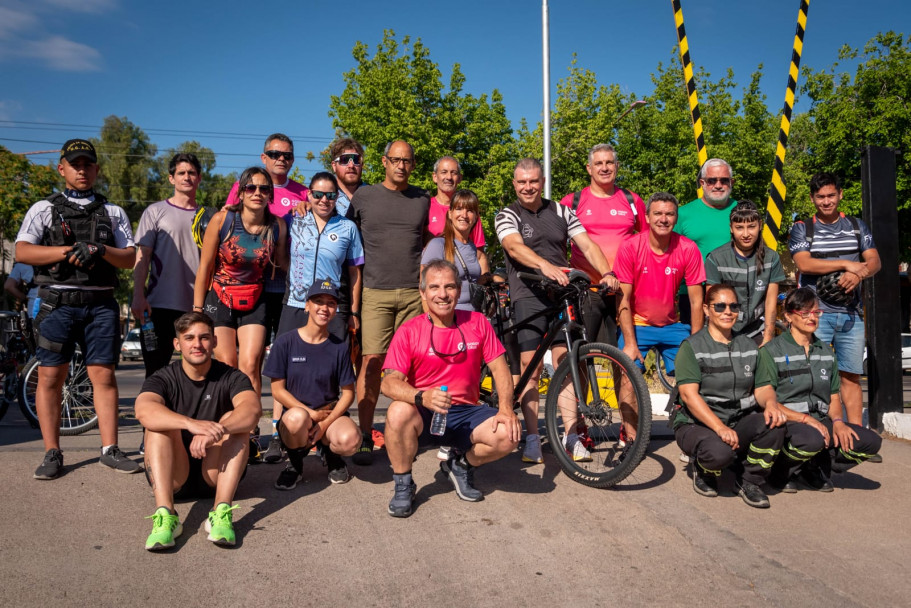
52, 465
118, 461
274, 451
461, 474
338, 472
364, 455
704, 485
814, 479
790, 487
256, 455
287, 479
405, 489
753, 495
878, 458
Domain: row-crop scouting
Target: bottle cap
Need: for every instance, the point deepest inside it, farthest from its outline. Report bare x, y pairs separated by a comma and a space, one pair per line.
444, 388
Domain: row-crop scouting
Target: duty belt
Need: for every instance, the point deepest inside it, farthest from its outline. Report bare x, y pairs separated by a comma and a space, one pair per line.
74, 297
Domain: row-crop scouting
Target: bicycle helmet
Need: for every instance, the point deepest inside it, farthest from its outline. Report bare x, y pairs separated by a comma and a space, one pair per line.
200, 223
830, 292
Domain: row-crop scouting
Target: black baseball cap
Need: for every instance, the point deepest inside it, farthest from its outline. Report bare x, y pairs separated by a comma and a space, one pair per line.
74, 148
322, 286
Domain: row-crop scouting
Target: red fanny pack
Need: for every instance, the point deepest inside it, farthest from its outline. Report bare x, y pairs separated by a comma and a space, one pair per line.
238, 297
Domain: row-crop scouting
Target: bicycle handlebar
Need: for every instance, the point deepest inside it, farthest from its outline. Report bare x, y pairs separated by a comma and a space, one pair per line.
575, 278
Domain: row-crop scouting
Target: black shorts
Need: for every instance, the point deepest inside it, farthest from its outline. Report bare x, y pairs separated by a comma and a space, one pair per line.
195, 485
225, 317
530, 337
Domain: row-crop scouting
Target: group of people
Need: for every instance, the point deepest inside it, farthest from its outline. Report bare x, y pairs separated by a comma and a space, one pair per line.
393, 265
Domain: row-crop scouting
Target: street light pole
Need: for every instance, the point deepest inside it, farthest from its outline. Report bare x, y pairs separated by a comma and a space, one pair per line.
545, 23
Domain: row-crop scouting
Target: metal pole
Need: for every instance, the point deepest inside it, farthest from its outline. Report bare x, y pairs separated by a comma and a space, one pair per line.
545, 25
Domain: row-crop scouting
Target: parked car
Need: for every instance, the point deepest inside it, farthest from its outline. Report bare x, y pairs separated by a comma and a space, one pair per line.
131, 350
906, 354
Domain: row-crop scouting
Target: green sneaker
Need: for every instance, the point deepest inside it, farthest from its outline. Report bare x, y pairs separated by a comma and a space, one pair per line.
165, 528
219, 525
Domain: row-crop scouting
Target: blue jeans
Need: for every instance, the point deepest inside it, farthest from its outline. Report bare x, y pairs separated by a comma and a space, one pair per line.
845, 332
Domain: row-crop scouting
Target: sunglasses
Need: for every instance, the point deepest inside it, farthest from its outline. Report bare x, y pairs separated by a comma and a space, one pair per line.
806, 314
721, 306
347, 159
251, 188
277, 154
318, 194
711, 181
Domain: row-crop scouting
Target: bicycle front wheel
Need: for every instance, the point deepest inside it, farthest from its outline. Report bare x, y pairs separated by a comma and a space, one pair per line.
77, 411
612, 421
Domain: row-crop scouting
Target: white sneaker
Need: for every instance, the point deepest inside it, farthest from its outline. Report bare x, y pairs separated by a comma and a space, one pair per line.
443, 454
684, 458
575, 448
532, 451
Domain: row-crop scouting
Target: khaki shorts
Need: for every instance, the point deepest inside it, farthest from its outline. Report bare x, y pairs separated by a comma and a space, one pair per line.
382, 312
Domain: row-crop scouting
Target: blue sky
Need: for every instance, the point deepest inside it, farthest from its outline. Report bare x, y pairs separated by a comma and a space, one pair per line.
227, 73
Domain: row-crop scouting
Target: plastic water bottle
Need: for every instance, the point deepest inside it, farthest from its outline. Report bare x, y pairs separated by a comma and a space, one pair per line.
149, 339
438, 423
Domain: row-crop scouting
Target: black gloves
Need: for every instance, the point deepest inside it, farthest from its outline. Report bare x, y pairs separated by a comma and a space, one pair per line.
87, 253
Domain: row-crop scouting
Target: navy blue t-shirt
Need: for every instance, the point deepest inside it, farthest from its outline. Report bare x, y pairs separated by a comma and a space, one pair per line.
313, 373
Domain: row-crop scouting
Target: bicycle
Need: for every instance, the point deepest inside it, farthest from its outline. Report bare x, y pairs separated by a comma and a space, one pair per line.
594, 391
15, 349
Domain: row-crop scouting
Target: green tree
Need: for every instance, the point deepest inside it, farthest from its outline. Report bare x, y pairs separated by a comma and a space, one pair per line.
127, 160
213, 189
22, 183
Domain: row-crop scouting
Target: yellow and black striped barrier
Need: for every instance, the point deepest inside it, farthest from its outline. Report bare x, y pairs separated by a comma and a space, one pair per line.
777, 190
687, 62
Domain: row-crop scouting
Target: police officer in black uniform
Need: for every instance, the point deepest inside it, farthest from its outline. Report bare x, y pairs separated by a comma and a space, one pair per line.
76, 241
799, 373
719, 421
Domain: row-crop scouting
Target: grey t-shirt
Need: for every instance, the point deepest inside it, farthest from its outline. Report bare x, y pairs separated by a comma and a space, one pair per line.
166, 230
436, 250
392, 228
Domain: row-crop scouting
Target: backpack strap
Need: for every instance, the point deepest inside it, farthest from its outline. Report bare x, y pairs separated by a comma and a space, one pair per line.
629, 199
227, 227
576, 196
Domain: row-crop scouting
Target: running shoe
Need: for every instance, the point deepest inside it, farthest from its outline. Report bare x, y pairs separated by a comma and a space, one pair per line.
364, 455
405, 489
52, 465
117, 460
461, 474
582, 431
274, 451
256, 455
532, 452
338, 472
753, 495
219, 525
443, 453
704, 485
621, 442
287, 479
575, 448
685, 458
166, 527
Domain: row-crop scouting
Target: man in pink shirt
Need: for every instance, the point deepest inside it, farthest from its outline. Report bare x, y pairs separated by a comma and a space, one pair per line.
447, 175
609, 215
651, 266
434, 366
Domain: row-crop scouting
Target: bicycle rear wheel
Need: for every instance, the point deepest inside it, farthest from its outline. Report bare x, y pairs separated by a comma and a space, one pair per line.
77, 412
616, 392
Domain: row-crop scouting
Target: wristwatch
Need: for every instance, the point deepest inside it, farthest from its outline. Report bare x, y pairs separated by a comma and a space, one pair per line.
419, 398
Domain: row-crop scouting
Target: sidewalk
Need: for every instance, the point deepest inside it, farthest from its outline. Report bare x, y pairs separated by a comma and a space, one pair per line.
538, 538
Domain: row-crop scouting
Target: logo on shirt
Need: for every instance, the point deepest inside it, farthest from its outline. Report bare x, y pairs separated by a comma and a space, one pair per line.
613, 212
333, 237
759, 284
286, 202
433, 220
527, 231
868, 238
298, 359
588, 212
473, 345
670, 270
207, 398
822, 373
747, 371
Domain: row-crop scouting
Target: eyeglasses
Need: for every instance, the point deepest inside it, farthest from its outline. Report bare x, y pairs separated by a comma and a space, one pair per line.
277, 154
461, 347
251, 188
806, 314
720, 307
400, 161
348, 159
711, 181
318, 194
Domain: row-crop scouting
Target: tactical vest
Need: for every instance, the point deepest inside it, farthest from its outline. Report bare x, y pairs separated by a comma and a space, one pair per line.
804, 384
728, 372
72, 223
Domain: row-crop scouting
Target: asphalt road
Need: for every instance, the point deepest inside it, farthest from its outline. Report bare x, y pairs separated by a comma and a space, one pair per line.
538, 538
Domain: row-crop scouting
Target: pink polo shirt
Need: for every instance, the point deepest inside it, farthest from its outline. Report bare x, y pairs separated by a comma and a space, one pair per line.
436, 221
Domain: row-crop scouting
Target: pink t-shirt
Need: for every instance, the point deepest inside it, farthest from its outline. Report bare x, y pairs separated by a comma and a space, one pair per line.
411, 353
436, 221
656, 278
284, 199
608, 222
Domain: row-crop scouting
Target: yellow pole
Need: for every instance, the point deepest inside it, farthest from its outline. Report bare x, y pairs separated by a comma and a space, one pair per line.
687, 63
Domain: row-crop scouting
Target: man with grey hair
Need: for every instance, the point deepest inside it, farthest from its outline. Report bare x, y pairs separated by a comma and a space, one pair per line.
533, 232
447, 175
392, 218
609, 214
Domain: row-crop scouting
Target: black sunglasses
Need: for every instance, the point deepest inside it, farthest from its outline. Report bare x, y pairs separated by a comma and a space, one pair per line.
720, 306
251, 188
318, 194
711, 181
459, 349
346, 159
277, 154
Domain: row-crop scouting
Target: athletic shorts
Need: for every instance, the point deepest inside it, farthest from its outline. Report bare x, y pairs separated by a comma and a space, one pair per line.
95, 327
460, 422
382, 312
225, 317
666, 339
195, 485
294, 318
530, 337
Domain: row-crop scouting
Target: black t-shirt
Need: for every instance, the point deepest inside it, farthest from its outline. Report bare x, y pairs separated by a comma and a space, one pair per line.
313, 373
392, 229
207, 399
